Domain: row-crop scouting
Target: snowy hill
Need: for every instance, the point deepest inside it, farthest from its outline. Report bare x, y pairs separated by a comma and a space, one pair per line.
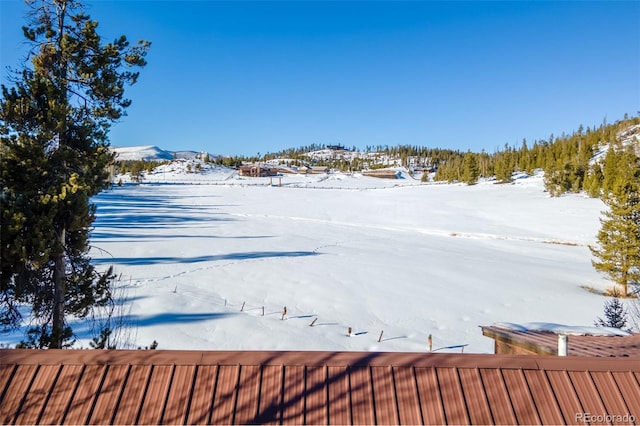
136, 153
628, 137
153, 153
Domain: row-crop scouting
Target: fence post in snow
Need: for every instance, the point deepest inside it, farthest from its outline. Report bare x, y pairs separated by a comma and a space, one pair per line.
284, 313
380, 338
430, 342
242, 309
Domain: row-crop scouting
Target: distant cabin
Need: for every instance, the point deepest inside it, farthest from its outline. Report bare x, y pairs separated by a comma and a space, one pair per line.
382, 173
336, 147
311, 169
257, 171
317, 169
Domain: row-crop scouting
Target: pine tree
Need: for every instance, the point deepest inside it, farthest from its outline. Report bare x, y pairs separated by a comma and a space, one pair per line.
610, 168
470, 170
614, 315
618, 254
593, 181
54, 157
504, 167
525, 162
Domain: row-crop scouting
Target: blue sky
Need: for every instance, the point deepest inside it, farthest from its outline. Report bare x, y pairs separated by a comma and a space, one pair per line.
256, 77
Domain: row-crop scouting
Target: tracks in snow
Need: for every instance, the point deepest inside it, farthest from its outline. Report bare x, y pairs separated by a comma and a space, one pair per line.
423, 231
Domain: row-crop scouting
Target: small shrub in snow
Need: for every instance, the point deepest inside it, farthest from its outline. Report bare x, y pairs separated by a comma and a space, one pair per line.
614, 314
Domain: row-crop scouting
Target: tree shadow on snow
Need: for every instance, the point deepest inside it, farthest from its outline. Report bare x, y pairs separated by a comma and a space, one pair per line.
174, 318
135, 238
145, 261
134, 220
394, 338
125, 300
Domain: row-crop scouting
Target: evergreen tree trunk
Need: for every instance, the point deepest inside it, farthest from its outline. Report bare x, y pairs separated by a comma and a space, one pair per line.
60, 290
59, 272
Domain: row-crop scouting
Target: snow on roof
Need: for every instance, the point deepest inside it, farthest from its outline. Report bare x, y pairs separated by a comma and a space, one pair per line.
573, 330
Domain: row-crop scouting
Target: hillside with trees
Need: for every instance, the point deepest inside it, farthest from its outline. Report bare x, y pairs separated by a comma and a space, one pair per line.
566, 160
572, 163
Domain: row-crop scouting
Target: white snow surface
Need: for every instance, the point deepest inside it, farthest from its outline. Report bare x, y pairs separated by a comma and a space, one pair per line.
395, 260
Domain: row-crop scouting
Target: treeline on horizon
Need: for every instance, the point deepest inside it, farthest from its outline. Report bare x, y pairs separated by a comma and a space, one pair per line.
566, 160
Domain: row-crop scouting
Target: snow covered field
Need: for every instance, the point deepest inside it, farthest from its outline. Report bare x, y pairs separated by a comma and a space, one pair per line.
199, 262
